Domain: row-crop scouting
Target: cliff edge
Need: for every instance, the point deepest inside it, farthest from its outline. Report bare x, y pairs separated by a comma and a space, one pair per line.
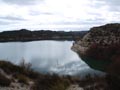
100, 46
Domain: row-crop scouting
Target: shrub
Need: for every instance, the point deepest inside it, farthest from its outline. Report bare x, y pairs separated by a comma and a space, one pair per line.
10, 68
51, 82
4, 81
24, 65
22, 79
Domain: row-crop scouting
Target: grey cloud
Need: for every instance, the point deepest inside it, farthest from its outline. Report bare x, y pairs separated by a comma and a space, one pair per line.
114, 5
94, 14
47, 13
22, 2
97, 20
113, 2
12, 18
35, 13
4, 22
97, 3
109, 2
85, 22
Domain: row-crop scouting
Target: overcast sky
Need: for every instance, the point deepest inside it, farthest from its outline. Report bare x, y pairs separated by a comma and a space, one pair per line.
57, 14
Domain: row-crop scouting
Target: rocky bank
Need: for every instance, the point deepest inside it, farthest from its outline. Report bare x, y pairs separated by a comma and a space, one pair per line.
100, 47
104, 35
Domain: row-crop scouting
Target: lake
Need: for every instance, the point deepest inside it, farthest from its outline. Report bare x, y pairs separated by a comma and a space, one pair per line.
46, 56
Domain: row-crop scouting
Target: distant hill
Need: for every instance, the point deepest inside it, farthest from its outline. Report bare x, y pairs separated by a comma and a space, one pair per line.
27, 35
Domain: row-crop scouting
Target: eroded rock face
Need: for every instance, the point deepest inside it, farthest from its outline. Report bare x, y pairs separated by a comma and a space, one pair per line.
82, 45
100, 46
104, 35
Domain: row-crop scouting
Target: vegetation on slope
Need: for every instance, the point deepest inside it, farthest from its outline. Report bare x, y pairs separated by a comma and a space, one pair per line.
24, 75
54, 81
103, 47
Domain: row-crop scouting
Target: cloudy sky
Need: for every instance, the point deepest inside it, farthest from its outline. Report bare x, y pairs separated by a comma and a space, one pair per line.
57, 14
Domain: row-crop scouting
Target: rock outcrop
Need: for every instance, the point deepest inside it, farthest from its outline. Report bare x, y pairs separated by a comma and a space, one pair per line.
100, 46
104, 35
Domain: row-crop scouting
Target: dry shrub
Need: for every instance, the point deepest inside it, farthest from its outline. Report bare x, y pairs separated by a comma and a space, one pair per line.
4, 81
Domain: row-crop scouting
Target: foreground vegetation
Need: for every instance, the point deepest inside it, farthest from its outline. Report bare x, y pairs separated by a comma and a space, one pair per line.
24, 74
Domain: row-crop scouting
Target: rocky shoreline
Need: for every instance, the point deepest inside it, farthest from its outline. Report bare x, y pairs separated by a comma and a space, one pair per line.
99, 48
104, 35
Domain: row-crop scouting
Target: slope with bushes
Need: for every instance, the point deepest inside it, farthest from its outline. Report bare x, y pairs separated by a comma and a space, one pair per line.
100, 47
24, 78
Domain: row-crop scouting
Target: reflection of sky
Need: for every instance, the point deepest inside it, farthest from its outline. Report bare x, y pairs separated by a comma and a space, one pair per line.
50, 53
12, 51
43, 55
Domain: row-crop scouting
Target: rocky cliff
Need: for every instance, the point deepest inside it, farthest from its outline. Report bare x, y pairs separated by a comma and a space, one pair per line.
104, 35
100, 46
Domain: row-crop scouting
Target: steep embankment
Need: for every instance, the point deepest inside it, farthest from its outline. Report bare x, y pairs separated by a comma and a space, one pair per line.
100, 46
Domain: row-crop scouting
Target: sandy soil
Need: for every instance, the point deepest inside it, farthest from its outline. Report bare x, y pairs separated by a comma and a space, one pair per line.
75, 87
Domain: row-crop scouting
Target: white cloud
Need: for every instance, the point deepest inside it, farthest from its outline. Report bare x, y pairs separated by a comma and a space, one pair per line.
22, 2
58, 14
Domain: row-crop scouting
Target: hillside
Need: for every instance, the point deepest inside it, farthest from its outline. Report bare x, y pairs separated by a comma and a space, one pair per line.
24, 35
100, 48
22, 77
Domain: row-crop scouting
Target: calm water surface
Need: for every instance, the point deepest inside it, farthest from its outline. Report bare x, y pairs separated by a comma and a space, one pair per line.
45, 56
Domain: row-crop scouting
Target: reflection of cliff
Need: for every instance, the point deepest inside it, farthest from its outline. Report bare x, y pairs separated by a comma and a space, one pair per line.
75, 68
100, 47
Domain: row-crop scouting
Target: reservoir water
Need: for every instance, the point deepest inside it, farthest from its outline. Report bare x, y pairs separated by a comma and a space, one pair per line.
46, 56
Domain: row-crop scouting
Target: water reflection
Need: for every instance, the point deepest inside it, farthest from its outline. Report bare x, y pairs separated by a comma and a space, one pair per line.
45, 56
